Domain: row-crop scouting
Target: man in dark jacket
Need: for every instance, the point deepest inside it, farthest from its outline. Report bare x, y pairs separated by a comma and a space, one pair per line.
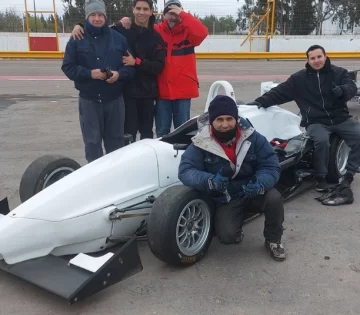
147, 54
321, 91
238, 167
101, 104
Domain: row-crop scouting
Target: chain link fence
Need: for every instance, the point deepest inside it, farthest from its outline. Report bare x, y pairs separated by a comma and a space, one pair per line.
228, 18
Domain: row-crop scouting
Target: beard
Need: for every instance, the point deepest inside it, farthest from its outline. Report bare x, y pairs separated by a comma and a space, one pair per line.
225, 136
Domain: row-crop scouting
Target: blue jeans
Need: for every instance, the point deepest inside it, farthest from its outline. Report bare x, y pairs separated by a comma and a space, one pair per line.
167, 111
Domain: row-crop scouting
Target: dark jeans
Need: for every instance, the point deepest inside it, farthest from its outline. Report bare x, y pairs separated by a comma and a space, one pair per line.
167, 111
139, 116
349, 130
101, 122
229, 217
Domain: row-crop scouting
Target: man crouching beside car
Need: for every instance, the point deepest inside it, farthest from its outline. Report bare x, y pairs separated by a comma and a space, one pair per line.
238, 167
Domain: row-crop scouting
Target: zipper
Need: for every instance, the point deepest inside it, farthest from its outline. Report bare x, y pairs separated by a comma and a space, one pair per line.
318, 76
307, 114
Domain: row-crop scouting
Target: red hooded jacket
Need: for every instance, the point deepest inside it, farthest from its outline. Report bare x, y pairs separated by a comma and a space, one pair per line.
179, 78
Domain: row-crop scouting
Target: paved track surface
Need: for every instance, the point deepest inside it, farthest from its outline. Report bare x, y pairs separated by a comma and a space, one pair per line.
38, 115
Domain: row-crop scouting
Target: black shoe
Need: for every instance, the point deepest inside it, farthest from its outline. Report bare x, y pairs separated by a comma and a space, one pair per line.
240, 238
348, 179
276, 249
321, 184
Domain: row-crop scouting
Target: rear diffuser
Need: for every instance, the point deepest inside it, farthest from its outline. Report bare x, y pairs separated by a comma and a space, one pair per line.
73, 283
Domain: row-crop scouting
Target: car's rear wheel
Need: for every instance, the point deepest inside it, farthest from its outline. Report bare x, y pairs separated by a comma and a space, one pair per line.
339, 154
180, 225
43, 172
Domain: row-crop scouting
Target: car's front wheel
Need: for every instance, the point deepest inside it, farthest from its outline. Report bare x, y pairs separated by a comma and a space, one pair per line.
180, 225
43, 172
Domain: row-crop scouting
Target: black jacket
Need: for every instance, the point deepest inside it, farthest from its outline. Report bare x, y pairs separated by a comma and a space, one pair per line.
148, 46
312, 92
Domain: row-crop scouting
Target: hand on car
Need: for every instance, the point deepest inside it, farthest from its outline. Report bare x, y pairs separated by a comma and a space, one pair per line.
114, 77
219, 182
254, 103
128, 60
337, 91
78, 32
97, 74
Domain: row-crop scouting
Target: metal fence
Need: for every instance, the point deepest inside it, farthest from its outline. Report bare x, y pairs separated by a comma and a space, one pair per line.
228, 17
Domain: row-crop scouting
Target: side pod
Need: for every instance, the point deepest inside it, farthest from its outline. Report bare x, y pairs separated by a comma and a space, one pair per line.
77, 277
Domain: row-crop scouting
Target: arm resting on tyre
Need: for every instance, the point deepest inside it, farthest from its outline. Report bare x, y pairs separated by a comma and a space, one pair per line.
278, 95
267, 163
348, 86
191, 169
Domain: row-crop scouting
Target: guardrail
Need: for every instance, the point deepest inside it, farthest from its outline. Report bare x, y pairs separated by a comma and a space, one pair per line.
200, 55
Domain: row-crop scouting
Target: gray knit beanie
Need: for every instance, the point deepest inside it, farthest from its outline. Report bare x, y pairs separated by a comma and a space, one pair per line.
92, 6
169, 3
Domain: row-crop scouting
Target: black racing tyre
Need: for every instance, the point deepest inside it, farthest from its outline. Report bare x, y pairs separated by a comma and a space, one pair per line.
180, 225
43, 172
338, 156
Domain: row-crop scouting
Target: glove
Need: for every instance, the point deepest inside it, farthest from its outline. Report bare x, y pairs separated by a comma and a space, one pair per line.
254, 103
219, 182
252, 189
337, 91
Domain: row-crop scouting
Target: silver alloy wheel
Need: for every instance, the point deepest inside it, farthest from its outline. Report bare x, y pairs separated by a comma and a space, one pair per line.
57, 175
342, 155
193, 227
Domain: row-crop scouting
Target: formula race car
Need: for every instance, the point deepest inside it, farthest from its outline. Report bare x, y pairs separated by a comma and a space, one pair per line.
75, 232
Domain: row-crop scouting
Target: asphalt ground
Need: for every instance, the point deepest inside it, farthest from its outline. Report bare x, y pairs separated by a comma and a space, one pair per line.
38, 115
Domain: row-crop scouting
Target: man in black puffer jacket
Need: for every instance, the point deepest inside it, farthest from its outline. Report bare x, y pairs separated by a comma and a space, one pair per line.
147, 54
321, 91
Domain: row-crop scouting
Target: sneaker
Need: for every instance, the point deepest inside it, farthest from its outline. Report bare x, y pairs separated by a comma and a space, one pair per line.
240, 238
276, 249
321, 184
348, 179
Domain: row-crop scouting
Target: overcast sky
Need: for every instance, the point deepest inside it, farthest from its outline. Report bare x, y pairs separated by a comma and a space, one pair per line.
201, 7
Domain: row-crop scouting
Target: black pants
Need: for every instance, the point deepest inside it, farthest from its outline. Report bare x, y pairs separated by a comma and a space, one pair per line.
101, 122
139, 116
229, 217
349, 130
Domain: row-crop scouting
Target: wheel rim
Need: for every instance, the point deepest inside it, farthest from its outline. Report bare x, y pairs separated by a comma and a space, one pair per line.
193, 227
342, 155
56, 175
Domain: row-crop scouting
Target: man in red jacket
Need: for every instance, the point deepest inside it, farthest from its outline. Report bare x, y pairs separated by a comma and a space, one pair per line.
178, 82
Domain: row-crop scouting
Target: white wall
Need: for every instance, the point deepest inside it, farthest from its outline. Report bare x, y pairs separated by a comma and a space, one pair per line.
301, 43
218, 43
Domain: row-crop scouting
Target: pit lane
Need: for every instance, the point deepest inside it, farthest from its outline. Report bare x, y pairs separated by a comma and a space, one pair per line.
38, 115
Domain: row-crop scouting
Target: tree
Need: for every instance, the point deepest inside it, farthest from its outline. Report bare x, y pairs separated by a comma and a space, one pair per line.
244, 13
227, 24
325, 10
75, 11
10, 21
212, 23
283, 13
304, 18
347, 15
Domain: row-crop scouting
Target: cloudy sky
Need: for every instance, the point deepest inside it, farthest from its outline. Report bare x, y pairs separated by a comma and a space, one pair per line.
201, 7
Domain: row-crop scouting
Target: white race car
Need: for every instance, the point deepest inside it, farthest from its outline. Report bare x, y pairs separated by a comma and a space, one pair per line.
75, 232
